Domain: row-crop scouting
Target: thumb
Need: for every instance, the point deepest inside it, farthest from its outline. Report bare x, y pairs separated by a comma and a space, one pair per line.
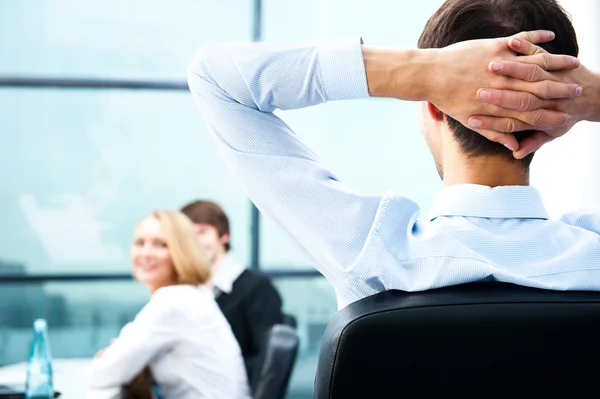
532, 143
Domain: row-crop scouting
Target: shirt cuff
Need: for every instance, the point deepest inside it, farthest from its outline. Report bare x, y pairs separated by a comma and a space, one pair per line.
343, 70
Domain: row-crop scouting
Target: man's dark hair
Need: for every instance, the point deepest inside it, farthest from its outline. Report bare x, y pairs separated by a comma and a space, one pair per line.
208, 212
460, 20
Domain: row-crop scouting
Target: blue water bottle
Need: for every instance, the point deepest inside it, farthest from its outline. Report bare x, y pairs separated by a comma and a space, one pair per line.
39, 366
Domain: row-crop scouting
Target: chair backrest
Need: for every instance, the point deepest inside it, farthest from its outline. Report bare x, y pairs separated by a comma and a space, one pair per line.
276, 363
290, 320
471, 341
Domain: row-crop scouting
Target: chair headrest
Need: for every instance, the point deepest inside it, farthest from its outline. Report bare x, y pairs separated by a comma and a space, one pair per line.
461, 339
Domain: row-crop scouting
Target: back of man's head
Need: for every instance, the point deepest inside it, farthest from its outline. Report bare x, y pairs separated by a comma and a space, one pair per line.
460, 20
208, 212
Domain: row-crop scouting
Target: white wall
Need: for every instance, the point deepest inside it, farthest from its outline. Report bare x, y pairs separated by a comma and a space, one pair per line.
567, 171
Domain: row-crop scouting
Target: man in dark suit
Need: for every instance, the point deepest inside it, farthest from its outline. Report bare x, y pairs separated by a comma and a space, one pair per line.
248, 299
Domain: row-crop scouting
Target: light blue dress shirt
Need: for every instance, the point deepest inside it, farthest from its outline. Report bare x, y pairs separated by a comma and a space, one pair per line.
365, 244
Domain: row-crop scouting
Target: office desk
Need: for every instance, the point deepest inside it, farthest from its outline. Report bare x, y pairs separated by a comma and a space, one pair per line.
70, 379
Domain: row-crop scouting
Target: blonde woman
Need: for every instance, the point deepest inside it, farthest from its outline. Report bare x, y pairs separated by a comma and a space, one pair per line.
181, 334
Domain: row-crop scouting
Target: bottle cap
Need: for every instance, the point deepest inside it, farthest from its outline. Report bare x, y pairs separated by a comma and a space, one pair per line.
39, 324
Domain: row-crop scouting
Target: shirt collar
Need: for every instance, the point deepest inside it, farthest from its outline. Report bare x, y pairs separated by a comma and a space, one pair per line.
504, 202
226, 274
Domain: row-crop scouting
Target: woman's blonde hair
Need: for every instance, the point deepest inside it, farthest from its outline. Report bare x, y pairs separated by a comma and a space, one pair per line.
189, 261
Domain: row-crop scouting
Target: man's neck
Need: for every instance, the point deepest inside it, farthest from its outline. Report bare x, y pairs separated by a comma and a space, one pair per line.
217, 262
485, 171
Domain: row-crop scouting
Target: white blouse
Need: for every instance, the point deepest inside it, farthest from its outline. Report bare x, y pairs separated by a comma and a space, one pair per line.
187, 342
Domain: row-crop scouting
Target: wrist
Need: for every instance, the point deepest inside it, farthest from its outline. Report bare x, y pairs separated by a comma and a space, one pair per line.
594, 101
587, 106
401, 74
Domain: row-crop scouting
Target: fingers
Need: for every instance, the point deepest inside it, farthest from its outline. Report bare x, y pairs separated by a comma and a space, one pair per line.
528, 144
532, 143
510, 99
551, 62
534, 79
536, 55
506, 139
545, 96
533, 68
540, 119
522, 43
525, 47
547, 90
517, 121
519, 70
498, 124
525, 42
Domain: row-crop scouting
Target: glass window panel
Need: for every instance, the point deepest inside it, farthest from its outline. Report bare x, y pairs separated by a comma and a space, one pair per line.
312, 313
136, 39
372, 145
80, 167
82, 319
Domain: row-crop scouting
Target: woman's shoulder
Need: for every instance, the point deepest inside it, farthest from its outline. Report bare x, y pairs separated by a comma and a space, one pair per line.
183, 297
174, 304
181, 293
185, 305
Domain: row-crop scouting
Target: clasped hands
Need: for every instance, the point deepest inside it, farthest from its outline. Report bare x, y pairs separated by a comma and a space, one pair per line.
496, 92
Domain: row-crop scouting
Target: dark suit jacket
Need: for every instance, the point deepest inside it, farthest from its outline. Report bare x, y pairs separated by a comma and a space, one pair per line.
252, 307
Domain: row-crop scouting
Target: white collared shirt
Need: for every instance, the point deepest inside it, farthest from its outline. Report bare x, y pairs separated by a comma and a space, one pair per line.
364, 244
225, 275
184, 338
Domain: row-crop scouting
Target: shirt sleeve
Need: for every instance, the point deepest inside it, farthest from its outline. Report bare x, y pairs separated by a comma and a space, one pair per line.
587, 218
237, 87
153, 331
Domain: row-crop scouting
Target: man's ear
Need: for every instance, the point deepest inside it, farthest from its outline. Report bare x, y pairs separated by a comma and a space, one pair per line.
224, 239
435, 113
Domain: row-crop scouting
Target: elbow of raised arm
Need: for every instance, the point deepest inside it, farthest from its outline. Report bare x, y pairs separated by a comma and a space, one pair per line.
201, 66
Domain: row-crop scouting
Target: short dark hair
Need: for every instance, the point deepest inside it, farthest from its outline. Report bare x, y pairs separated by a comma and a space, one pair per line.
460, 20
208, 212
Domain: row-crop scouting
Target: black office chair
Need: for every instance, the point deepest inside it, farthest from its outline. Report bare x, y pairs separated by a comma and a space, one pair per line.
276, 363
290, 320
477, 340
